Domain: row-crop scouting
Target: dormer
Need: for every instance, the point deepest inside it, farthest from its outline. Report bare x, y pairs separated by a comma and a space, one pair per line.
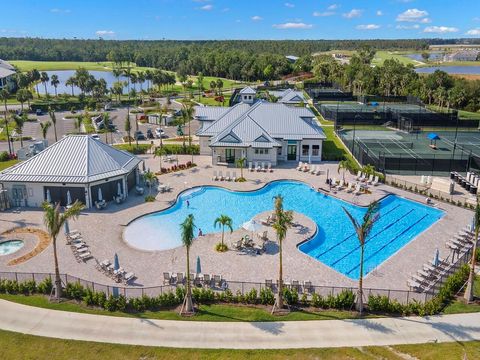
247, 95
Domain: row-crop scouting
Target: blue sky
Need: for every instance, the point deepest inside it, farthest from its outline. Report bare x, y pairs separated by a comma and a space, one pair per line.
241, 19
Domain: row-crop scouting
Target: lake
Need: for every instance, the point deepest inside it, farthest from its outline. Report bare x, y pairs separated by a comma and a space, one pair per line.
63, 76
466, 70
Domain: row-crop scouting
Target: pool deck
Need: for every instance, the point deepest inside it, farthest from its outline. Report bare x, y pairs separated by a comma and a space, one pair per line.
103, 232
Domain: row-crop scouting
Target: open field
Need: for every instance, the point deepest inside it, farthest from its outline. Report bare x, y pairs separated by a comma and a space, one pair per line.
15, 346
25, 65
381, 56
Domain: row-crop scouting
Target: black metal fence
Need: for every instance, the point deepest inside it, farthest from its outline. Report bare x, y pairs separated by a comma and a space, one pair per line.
327, 92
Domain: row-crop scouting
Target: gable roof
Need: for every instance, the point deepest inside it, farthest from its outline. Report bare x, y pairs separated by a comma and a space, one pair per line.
209, 113
261, 124
73, 159
6, 65
247, 91
288, 96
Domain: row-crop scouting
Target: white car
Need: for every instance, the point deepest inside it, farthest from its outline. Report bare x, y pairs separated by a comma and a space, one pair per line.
95, 136
159, 133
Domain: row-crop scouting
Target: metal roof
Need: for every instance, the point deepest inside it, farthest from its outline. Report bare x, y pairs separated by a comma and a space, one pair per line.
288, 96
73, 159
209, 113
6, 65
248, 91
273, 121
4, 72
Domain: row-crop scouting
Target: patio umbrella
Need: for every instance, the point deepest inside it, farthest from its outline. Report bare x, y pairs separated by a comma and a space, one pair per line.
472, 225
48, 197
436, 259
199, 266
100, 196
116, 266
69, 198
66, 227
252, 226
433, 138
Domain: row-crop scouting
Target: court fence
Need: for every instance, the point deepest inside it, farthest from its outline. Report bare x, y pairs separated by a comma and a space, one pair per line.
236, 287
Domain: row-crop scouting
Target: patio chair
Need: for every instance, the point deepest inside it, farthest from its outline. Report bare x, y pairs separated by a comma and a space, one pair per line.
227, 176
341, 185
370, 179
300, 166
266, 221
263, 235
85, 256
220, 176
350, 188
234, 176
313, 170
257, 167
363, 178
264, 169
237, 245
207, 281
375, 181
128, 277
180, 278
359, 175
139, 190
167, 279
270, 167
414, 285
215, 176
295, 285
358, 189
250, 166
217, 279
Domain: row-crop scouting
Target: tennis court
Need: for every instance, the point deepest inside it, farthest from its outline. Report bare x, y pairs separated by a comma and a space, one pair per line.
379, 107
398, 152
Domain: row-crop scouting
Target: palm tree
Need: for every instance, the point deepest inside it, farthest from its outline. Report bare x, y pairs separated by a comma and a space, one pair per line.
19, 122
471, 277
44, 79
149, 177
71, 81
223, 220
53, 118
241, 164
35, 77
159, 152
187, 227
4, 95
54, 82
283, 221
363, 230
345, 166
44, 127
128, 129
22, 96
200, 85
141, 79
54, 221
187, 113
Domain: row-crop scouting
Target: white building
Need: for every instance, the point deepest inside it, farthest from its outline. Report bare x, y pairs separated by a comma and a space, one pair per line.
77, 165
7, 74
262, 131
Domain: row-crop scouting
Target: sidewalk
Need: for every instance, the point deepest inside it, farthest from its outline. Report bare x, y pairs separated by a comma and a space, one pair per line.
238, 335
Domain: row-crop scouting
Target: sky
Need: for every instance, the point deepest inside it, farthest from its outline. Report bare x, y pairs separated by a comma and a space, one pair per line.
242, 19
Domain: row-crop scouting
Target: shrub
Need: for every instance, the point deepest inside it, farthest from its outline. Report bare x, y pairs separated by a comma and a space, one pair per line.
149, 198
221, 247
290, 296
74, 291
267, 297
4, 156
251, 297
45, 287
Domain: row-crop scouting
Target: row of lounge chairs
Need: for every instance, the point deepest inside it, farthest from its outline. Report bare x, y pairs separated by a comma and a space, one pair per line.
80, 249
219, 176
312, 169
119, 275
369, 179
355, 188
248, 245
207, 280
305, 287
260, 168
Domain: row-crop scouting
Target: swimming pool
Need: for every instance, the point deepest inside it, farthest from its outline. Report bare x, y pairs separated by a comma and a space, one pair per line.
334, 244
10, 246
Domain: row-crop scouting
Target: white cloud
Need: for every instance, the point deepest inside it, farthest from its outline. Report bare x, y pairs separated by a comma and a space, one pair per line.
474, 32
256, 18
289, 5
368, 27
333, 7
102, 33
379, 13
60, 11
414, 15
226, 9
440, 29
207, 7
354, 13
408, 27
322, 14
293, 25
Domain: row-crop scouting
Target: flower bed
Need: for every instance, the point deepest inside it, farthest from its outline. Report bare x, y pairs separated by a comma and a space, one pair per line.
175, 168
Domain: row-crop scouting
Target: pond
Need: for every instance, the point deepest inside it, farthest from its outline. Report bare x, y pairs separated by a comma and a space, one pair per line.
466, 70
63, 76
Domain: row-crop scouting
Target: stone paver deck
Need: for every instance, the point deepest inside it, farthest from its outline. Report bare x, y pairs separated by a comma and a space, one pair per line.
103, 231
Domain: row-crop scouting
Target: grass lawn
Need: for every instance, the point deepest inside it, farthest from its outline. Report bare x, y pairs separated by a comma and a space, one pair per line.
7, 164
27, 65
15, 346
381, 56
467, 115
210, 101
217, 312
459, 306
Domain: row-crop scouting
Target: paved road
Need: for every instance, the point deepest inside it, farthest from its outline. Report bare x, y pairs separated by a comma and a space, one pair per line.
238, 335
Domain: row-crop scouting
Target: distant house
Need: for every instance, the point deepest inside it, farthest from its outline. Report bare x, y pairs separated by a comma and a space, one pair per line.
463, 55
262, 131
288, 96
292, 58
7, 76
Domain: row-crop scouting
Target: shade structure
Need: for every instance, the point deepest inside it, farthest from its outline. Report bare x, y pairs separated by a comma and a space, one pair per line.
119, 190
252, 226
199, 266
69, 198
436, 258
433, 136
66, 227
48, 197
100, 196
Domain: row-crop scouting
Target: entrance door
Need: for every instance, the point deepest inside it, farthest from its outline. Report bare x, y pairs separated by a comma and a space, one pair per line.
230, 155
292, 152
19, 195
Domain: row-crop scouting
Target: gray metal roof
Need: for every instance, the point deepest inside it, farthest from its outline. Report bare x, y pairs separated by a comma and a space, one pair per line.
73, 159
288, 96
244, 125
209, 113
6, 65
4, 72
248, 91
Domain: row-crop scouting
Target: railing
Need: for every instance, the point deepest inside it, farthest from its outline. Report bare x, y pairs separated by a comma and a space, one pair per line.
241, 287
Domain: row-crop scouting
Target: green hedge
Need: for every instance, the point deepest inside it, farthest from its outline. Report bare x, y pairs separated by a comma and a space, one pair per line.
171, 149
141, 149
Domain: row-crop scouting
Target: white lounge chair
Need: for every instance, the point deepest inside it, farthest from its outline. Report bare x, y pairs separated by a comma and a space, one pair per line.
341, 185
215, 176
300, 166
313, 170
350, 187
357, 190
257, 167
306, 167
334, 183
234, 176
270, 167
220, 176
370, 179
227, 176
375, 181
359, 175
250, 166
363, 177
129, 276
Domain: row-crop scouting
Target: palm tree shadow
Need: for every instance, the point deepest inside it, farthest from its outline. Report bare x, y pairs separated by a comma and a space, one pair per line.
373, 325
455, 331
271, 248
274, 327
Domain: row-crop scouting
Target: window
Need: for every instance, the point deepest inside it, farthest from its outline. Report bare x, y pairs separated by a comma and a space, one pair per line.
305, 150
261, 151
315, 150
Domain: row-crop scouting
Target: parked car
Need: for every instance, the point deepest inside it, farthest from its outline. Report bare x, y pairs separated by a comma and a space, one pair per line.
159, 133
95, 136
150, 134
138, 135
39, 112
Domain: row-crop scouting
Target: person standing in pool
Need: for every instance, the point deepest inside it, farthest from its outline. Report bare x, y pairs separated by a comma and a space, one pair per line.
188, 204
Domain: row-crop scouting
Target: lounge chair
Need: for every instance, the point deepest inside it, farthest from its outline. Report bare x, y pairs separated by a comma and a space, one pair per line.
313, 170
359, 175
306, 167
269, 284
263, 235
415, 285
250, 166
363, 178
215, 176
167, 279
257, 167
270, 167
128, 277
334, 183
358, 189
307, 287
264, 169
234, 176
370, 179
341, 185
220, 176
266, 221
300, 166
217, 280
295, 285
227, 176
237, 245
180, 278
375, 181
350, 188
207, 281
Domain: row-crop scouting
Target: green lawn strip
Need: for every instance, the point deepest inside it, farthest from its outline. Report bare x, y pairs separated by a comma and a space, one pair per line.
210, 101
15, 346
381, 56
26, 65
459, 306
7, 164
217, 312
463, 115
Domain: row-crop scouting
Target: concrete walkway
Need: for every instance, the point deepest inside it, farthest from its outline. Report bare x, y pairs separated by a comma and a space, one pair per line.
238, 335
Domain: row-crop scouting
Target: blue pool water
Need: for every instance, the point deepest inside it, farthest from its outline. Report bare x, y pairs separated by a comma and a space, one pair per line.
335, 243
10, 246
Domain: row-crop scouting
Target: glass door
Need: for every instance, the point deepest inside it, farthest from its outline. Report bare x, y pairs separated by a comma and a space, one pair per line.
292, 152
230, 155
